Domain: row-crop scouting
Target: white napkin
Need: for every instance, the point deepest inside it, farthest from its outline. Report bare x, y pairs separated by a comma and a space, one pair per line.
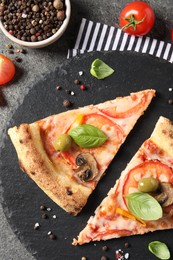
101, 37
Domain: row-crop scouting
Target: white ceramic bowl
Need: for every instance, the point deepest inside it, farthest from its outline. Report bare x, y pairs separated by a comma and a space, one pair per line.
47, 41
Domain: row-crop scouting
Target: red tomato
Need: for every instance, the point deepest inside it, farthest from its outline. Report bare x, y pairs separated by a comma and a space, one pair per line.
137, 18
7, 69
156, 170
99, 121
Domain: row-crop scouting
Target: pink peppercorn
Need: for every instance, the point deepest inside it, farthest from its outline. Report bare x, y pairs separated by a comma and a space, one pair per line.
82, 87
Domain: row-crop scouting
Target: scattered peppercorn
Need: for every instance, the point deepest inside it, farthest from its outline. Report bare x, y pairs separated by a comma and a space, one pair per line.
170, 101
23, 51
52, 237
10, 51
82, 87
77, 82
104, 258
18, 59
67, 103
68, 91
58, 88
127, 245
9, 46
49, 209
42, 207
105, 248
32, 21
44, 216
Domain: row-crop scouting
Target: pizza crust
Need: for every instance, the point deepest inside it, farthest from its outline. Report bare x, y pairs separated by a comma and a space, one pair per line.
163, 135
55, 182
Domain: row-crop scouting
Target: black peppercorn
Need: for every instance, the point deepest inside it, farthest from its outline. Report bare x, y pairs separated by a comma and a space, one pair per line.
104, 258
52, 237
104, 248
170, 101
68, 91
18, 59
77, 82
127, 245
42, 207
67, 103
44, 216
58, 88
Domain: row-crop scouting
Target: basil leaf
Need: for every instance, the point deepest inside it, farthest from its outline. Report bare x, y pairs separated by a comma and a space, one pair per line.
87, 136
144, 206
159, 249
100, 70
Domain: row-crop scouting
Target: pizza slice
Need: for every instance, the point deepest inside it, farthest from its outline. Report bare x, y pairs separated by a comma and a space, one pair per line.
68, 167
142, 198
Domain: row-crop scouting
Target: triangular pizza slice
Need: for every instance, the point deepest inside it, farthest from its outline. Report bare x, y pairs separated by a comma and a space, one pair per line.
142, 198
68, 167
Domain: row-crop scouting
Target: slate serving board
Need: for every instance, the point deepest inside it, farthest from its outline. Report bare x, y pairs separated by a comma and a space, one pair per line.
22, 198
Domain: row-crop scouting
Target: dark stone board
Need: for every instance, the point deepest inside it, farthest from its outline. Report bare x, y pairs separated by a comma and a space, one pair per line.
22, 198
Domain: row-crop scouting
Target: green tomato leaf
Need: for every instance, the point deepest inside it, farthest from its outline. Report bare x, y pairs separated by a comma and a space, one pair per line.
87, 136
100, 70
144, 206
159, 249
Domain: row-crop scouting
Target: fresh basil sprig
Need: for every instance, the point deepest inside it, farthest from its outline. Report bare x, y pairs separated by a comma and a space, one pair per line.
144, 206
159, 249
100, 69
87, 136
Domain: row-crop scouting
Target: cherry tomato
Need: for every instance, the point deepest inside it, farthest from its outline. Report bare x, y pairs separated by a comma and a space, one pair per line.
7, 69
137, 18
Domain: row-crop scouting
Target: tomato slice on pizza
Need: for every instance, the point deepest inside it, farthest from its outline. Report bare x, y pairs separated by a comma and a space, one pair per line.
142, 198
67, 154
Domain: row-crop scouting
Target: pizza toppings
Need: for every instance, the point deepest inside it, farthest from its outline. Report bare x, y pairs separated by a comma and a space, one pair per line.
148, 169
127, 214
63, 142
165, 198
87, 136
87, 169
79, 120
144, 206
149, 184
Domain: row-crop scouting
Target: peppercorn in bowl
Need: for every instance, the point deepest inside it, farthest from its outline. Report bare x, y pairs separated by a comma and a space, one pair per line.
34, 23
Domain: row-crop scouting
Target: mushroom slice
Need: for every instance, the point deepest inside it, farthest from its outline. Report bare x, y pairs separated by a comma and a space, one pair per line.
87, 169
165, 198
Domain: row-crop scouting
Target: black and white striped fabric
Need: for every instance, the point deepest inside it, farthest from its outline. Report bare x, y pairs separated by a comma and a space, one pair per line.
101, 37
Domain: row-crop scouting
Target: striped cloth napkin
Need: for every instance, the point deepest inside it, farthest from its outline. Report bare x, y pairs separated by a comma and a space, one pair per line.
101, 37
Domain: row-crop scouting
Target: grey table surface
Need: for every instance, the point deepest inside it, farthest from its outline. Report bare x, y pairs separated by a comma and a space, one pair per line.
37, 62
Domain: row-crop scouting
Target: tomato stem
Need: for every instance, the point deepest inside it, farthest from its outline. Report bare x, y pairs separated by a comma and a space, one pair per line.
132, 22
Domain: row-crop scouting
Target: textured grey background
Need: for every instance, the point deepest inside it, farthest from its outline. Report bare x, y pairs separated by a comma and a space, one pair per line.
37, 62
